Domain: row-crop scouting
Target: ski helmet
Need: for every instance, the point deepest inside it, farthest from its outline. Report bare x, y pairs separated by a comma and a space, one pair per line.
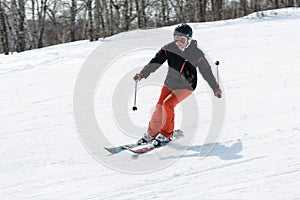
183, 30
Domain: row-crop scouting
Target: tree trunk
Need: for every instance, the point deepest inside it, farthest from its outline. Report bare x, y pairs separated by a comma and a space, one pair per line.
276, 4
3, 31
58, 37
111, 24
143, 13
126, 15
202, 6
256, 5
138, 13
117, 17
243, 4
163, 12
189, 11
21, 36
97, 19
90, 20
178, 11
15, 25
291, 3
168, 13
181, 14
106, 16
217, 9
73, 20
34, 34
42, 18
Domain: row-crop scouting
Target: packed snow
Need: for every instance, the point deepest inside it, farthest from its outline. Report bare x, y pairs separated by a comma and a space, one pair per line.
257, 155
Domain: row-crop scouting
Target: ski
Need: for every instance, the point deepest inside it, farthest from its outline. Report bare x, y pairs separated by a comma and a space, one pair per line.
143, 149
140, 149
118, 149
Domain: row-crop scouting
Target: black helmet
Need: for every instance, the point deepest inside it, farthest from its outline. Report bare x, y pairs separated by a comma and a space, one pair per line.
183, 30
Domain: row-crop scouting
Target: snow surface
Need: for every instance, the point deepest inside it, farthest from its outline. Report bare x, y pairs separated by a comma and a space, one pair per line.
256, 157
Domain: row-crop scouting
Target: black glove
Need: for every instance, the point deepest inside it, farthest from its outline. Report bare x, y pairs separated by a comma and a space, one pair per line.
218, 92
137, 77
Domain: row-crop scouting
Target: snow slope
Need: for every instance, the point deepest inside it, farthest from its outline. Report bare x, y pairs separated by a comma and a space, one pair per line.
256, 157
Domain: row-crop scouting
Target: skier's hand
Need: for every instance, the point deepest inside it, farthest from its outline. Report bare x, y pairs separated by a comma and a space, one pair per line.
218, 93
137, 77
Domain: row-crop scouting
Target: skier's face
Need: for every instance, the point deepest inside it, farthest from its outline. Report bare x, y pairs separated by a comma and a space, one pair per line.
181, 41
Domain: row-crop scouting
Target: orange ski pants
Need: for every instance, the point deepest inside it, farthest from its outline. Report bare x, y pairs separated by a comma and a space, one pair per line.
162, 120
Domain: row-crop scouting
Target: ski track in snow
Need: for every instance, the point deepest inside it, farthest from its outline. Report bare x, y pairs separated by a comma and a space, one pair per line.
257, 156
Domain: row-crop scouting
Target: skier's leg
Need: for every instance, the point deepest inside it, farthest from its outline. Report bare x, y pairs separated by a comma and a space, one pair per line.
157, 116
168, 105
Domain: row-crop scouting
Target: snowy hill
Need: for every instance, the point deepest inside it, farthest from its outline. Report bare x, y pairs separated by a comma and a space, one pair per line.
257, 156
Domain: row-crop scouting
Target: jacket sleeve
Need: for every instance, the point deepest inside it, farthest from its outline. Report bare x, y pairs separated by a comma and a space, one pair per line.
155, 63
205, 70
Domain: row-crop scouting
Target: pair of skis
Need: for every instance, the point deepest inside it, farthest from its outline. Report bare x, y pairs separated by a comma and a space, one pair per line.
141, 149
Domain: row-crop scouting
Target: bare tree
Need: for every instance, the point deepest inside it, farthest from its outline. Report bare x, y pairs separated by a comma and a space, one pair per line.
244, 7
126, 15
189, 11
42, 17
111, 21
157, 13
138, 11
105, 20
275, 4
52, 12
141, 13
255, 4
117, 16
90, 20
202, 9
34, 25
21, 36
3, 31
217, 9
178, 6
291, 3
73, 20
15, 26
163, 12
97, 18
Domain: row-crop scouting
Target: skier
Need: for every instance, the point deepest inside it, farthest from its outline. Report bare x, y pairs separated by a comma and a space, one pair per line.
183, 57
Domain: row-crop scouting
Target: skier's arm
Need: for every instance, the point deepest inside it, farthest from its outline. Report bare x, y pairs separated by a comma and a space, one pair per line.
205, 70
155, 63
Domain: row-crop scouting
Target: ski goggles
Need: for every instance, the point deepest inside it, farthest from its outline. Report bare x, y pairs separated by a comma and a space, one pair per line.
180, 39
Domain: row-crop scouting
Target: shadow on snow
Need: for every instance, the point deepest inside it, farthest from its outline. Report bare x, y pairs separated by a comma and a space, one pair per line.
208, 150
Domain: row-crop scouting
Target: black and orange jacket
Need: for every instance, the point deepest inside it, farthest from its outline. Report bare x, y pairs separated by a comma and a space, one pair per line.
182, 72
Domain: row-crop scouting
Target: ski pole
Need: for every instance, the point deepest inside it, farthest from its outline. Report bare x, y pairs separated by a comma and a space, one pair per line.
217, 63
134, 108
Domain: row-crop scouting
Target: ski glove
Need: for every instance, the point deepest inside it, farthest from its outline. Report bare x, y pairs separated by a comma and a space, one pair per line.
218, 92
137, 77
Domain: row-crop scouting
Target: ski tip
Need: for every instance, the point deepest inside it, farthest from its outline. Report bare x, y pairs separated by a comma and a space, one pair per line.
109, 150
113, 150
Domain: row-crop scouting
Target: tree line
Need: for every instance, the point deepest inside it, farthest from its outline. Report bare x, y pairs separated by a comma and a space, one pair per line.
31, 24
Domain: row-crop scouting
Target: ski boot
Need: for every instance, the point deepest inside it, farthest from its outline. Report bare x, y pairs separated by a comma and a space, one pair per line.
160, 140
145, 139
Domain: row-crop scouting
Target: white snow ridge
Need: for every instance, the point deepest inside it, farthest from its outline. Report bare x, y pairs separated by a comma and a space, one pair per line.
257, 155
